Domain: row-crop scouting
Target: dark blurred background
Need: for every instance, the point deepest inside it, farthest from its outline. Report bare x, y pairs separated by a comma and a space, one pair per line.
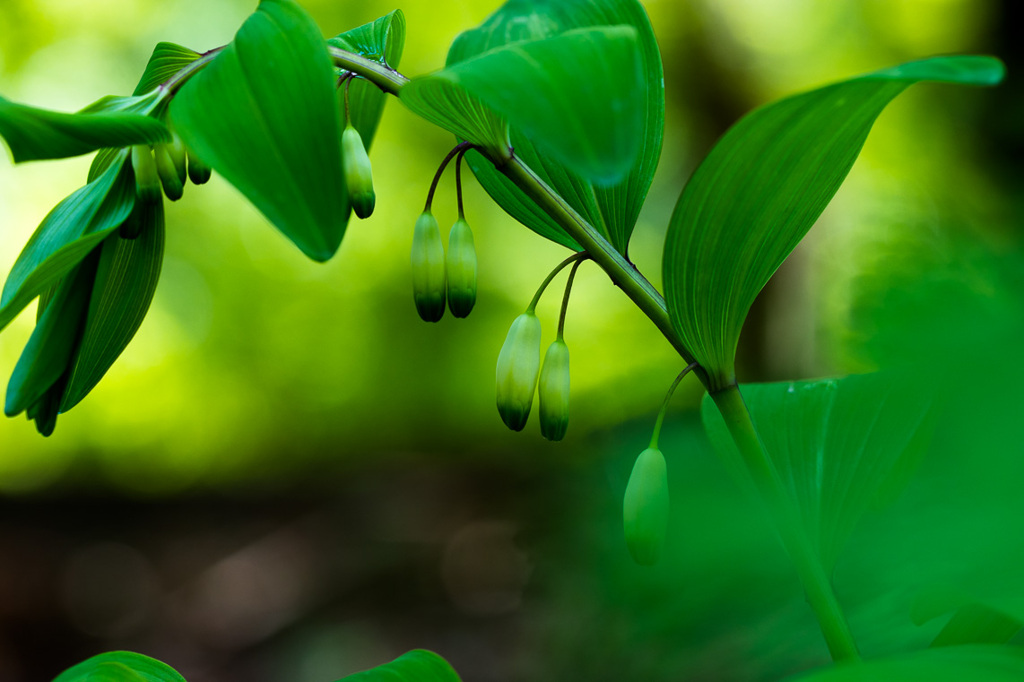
287, 476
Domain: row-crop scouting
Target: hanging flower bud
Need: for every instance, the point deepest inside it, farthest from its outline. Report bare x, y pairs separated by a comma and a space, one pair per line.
428, 276
176, 152
645, 507
147, 183
553, 391
461, 269
358, 177
198, 172
518, 366
173, 187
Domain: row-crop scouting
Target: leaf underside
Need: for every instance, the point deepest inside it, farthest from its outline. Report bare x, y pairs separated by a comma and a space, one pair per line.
120, 666
417, 665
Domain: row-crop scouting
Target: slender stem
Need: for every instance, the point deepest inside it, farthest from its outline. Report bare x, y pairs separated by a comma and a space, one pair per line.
458, 182
766, 479
664, 405
565, 298
381, 75
576, 257
174, 83
457, 149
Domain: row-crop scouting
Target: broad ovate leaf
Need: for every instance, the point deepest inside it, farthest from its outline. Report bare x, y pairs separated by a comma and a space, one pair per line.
264, 115
418, 665
948, 664
612, 210
839, 445
68, 234
760, 190
382, 41
33, 134
120, 666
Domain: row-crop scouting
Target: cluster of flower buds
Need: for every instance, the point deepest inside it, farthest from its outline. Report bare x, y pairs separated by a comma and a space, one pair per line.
358, 175
163, 169
645, 507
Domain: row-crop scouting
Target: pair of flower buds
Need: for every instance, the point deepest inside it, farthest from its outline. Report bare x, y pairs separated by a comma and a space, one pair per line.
162, 169
438, 276
517, 374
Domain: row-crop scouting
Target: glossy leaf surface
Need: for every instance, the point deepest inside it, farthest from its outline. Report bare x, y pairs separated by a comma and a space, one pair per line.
758, 192
836, 443
950, 664
126, 278
68, 234
33, 134
167, 59
273, 133
611, 210
417, 665
382, 41
120, 666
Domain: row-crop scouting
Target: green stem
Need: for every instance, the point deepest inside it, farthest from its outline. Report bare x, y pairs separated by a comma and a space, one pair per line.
766, 479
565, 299
174, 83
574, 258
381, 75
664, 404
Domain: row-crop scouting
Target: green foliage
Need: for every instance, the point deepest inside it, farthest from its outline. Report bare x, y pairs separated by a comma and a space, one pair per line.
276, 134
418, 665
837, 444
120, 666
167, 59
950, 664
760, 190
612, 210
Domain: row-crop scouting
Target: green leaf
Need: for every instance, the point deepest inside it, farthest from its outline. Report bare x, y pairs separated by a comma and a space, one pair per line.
68, 234
950, 664
264, 115
972, 622
120, 666
167, 59
762, 187
34, 134
417, 665
382, 41
611, 210
836, 443
126, 279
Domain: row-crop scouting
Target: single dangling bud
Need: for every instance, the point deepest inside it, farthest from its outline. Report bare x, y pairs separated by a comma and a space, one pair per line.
518, 366
173, 186
553, 391
198, 172
461, 268
147, 183
428, 275
645, 507
176, 152
358, 177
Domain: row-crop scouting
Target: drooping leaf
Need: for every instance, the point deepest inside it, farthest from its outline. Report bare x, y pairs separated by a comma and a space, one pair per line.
836, 443
33, 134
264, 115
167, 59
68, 234
417, 665
972, 621
948, 664
612, 210
762, 187
120, 666
382, 41
126, 279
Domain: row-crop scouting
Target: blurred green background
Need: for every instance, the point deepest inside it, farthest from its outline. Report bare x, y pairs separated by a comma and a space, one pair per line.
288, 476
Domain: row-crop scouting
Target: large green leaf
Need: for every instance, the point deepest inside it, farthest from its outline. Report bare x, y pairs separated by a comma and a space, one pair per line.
68, 234
611, 210
34, 134
762, 187
126, 279
838, 444
120, 666
417, 665
264, 115
382, 41
981, 663
167, 59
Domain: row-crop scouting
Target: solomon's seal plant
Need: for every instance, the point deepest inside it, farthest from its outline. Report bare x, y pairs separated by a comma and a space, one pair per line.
558, 107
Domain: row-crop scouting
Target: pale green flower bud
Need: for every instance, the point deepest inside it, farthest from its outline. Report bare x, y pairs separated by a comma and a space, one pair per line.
461, 269
198, 172
645, 507
173, 186
147, 182
428, 275
176, 152
518, 366
553, 391
358, 177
